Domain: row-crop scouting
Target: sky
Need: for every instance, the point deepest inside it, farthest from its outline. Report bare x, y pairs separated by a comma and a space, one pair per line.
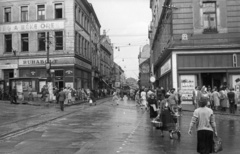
126, 23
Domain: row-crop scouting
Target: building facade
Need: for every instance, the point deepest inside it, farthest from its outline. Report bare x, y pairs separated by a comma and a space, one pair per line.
144, 67
59, 30
195, 42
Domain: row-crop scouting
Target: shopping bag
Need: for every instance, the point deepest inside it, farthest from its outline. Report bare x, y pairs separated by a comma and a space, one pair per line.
156, 123
90, 101
217, 147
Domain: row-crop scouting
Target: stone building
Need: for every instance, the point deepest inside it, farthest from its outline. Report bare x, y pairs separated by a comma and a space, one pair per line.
73, 30
106, 61
195, 42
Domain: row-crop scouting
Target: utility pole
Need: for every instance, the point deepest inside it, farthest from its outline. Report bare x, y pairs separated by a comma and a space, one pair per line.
48, 64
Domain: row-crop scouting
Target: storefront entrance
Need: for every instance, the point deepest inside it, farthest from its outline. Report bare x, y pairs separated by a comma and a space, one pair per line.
59, 84
213, 79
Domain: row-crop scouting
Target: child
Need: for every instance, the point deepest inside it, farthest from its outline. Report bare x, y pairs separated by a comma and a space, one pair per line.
115, 98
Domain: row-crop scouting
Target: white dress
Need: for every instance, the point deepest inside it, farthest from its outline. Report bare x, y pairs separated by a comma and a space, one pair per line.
144, 98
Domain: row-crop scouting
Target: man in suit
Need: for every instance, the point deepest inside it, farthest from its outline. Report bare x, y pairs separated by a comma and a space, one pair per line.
62, 97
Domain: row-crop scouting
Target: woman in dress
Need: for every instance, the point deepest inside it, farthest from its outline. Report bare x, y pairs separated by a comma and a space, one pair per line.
204, 119
167, 118
144, 98
223, 99
216, 99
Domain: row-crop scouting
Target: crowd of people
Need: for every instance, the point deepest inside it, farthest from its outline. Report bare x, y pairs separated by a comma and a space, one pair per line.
217, 99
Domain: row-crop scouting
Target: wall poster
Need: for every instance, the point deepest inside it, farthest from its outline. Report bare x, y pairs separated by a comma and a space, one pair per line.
187, 85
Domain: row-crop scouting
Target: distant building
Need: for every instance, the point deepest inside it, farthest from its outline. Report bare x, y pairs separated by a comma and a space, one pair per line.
195, 42
144, 67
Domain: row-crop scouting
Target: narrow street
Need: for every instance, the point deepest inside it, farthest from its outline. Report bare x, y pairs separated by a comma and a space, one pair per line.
109, 129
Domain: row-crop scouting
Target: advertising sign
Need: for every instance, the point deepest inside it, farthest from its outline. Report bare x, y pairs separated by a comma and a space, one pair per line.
187, 85
166, 67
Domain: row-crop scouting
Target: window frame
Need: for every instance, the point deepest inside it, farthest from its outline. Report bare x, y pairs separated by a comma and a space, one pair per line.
8, 14
55, 10
209, 29
27, 13
42, 38
22, 42
6, 43
57, 37
38, 10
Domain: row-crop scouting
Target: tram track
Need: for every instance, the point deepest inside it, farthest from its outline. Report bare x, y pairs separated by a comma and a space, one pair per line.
18, 132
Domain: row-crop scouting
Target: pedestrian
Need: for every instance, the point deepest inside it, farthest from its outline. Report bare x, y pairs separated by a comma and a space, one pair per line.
137, 99
92, 97
30, 94
62, 97
73, 95
179, 103
153, 107
13, 96
223, 99
216, 99
169, 122
231, 99
196, 96
206, 127
144, 98
115, 98
210, 95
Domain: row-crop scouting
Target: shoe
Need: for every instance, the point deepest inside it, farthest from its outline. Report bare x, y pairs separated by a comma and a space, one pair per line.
179, 134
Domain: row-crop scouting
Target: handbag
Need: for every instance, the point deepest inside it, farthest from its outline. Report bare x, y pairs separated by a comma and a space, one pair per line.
157, 123
217, 147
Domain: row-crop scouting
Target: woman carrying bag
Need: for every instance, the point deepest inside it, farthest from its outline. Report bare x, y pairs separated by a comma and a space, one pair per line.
206, 127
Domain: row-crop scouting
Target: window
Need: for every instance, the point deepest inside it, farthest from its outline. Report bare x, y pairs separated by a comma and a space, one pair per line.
41, 12
24, 13
209, 17
58, 11
8, 43
59, 40
41, 41
24, 40
8, 14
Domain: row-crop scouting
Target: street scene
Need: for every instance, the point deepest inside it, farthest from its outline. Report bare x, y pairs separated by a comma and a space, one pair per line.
119, 76
100, 129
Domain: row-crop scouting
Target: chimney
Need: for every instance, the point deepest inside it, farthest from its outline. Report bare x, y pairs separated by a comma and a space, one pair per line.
104, 32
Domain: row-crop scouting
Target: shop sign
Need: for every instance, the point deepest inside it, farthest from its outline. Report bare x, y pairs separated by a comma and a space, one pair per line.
166, 67
32, 26
83, 64
187, 85
69, 72
10, 66
40, 61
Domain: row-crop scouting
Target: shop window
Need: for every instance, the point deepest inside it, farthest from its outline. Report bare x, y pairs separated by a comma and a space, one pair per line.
41, 41
59, 40
7, 14
8, 43
24, 40
41, 12
24, 13
209, 17
58, 11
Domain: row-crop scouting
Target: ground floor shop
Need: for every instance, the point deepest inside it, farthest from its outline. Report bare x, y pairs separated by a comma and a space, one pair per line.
187, 69
65, 72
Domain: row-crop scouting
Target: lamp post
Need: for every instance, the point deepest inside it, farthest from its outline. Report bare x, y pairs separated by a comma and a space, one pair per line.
48, 64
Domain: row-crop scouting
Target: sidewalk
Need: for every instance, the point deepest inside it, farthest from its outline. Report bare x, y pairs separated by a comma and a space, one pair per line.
190, 108
42, 103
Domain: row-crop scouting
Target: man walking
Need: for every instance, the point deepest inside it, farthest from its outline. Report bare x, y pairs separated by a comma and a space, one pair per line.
231, 99
13, 95
62, 97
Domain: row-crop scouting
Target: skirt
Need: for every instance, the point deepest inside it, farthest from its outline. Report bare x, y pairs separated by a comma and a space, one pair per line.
205, 141
168, 120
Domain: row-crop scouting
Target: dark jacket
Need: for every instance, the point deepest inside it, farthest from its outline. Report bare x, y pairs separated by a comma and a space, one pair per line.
62, 96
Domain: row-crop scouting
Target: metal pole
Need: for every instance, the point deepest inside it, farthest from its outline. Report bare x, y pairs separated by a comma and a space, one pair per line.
48, 62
